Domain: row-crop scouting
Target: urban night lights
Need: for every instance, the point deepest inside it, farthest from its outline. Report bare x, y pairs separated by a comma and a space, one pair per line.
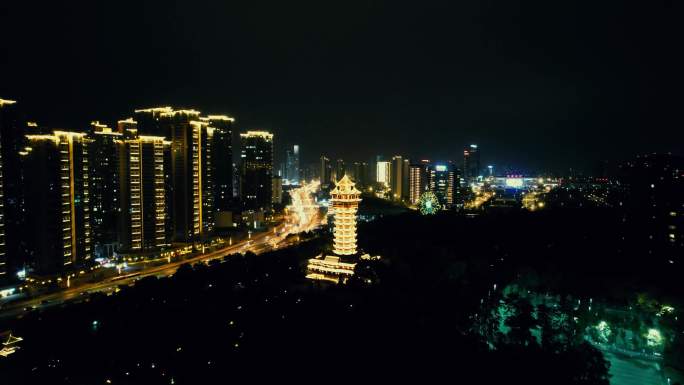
466, 192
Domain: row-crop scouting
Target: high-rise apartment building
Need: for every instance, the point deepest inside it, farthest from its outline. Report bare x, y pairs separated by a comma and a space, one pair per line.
104, 188
6, 123
222, 153
399, 178
144, 224
419, 177
58, 213
444, 183
405, 180
221, 162
190, 175
12, 204
257, 169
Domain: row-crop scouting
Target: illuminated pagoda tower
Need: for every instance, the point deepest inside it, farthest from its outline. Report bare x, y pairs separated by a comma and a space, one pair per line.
339, 267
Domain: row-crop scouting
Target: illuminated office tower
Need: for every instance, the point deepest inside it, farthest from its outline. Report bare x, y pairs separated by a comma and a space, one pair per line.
222, 161
340, 170
383, 173
443, 183
104, 188
344, 200
257, 169
326, 171
292, 165
57, 193
419, 175
143, 162
471, 163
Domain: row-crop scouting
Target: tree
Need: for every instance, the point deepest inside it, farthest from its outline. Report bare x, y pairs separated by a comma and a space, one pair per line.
549, 331
587, 365
521, 322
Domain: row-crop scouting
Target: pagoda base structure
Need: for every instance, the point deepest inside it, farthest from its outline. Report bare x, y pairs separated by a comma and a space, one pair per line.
331, 268
334, 268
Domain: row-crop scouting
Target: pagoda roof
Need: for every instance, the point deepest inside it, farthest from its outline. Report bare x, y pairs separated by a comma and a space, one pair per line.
345, 186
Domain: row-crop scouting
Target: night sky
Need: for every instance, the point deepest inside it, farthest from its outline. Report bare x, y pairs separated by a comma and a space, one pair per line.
537, 84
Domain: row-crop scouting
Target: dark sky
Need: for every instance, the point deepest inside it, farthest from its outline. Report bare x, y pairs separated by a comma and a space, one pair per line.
537, 84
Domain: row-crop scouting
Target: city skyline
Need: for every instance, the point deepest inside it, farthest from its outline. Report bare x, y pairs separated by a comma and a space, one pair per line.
241, 192
459, 73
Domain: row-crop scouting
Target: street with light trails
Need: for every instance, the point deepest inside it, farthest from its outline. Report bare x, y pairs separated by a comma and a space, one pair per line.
304, 215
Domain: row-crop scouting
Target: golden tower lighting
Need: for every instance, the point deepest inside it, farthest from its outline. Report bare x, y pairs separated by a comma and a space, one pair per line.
337, 268
345, 200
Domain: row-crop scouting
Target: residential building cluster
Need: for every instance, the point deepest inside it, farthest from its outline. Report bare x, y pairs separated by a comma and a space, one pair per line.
160, 179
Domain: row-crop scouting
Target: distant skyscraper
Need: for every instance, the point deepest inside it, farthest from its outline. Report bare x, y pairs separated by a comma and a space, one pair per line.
405, 180
277, 188
236, 180
58, 214
326, 171
419, 176
471, 162
104, 188
443, 183
360, 174
292, 165
257, 169
340, 169
310, 172
281, 170
143, 163
383, 173
399, 178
